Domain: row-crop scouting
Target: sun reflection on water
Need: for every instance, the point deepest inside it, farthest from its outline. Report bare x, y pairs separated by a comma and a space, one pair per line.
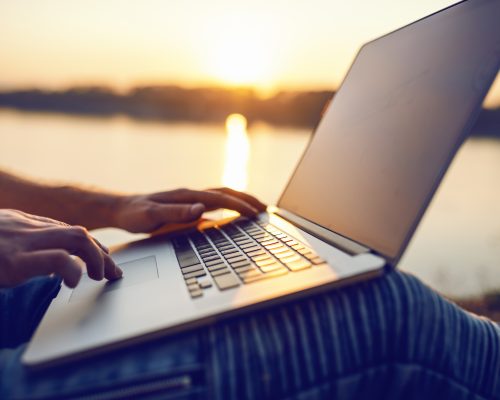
235, 173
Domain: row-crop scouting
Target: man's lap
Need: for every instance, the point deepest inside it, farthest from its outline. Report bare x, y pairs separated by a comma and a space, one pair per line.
392, 337
389, 338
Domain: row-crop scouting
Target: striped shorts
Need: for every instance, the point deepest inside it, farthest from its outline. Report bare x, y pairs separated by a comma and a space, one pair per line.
389, 338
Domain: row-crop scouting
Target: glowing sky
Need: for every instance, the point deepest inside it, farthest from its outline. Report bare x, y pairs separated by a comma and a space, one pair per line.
268, 44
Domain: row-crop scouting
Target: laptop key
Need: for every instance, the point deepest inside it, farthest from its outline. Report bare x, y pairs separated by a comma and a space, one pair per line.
192, 268
195, 274
196, 293
204, 247
190, 281
221, 271
310, 255
226, 247
269, 242
252, 249
211, 258
186, 262
274, 247
247, 245
304, 251
272, 274
238, 264
256, 253
262, 257
252, 229
285, 254
298, 265
271, 267
226, 281
317, 260
205, 250
185, 252
265, 262
244, 268
277, 272
236, 259
242, 243
205, 283
291, 258
214, 262
249, 274
216, 266
281, 250
231, 251
193, 286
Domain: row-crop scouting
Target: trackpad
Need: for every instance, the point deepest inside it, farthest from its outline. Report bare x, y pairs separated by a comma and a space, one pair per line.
134, 272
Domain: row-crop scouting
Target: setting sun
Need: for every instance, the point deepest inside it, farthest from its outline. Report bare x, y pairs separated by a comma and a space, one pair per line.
241, 61
242, 50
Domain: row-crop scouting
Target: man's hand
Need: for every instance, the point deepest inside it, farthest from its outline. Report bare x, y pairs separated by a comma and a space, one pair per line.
146, 213
32, 245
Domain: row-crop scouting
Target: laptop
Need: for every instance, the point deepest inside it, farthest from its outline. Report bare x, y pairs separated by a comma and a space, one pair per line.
347, 214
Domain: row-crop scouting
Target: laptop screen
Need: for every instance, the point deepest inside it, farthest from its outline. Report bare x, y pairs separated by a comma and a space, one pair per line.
391, 130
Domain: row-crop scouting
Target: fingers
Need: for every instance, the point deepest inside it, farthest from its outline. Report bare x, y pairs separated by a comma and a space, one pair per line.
168, 213
45, 262
76, 240
111, 270
243, 196
102, 247
210, 199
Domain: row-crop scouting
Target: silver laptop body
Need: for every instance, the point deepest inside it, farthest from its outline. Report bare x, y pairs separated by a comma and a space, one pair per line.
377, 156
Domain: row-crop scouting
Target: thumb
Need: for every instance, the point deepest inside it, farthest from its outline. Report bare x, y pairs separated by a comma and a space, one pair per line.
165, 213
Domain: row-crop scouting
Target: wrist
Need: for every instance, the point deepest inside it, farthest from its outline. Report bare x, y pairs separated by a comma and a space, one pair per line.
114, 213
90, 208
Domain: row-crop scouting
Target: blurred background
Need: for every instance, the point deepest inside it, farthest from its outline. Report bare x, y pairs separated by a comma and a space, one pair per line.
152, 95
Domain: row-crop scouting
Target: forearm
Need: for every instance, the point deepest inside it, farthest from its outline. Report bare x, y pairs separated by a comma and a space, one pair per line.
75, 206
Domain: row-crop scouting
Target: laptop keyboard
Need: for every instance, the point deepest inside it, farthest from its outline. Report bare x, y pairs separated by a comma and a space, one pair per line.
239, 253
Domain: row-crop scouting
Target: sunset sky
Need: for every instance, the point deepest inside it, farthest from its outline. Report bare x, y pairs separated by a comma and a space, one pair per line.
267, 44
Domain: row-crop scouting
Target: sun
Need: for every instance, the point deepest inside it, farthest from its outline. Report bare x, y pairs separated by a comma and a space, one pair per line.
240, 60
242, 52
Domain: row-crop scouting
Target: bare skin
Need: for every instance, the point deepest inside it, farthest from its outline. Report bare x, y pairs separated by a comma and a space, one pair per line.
145, 213
31, 245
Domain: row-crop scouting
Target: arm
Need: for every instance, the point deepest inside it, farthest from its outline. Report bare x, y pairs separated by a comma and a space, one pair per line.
72, 205
32, 245
135, 213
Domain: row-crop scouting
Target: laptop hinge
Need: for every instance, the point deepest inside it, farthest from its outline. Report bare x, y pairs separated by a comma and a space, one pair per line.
318, 231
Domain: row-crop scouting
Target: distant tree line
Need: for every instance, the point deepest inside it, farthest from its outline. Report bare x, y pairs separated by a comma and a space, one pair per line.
176, 103
294, 108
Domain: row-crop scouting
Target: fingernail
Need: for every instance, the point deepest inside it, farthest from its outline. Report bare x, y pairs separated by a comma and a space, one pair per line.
105, 249
197, 209
119, 272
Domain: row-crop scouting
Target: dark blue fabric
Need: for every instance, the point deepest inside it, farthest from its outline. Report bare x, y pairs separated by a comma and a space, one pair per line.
389, 338
22, 307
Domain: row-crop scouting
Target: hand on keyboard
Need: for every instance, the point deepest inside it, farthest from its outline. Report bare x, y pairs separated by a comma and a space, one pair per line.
146, 213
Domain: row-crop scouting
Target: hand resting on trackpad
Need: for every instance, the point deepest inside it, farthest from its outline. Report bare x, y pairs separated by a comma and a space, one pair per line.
134, 272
